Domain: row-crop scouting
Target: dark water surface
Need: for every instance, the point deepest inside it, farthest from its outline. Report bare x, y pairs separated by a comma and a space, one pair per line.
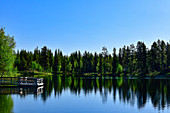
85, 95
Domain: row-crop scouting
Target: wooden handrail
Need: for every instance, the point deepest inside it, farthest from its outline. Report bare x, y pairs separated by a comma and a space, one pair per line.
21, 81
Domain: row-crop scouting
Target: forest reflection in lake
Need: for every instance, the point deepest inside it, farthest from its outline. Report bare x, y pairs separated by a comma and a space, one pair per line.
158, 90
132, 92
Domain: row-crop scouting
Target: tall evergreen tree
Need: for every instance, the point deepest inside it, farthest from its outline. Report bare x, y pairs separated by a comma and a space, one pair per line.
154, 57
124, 58
168, 57
36, 55
127, 62
23, 60
132, 58
163, 55
51, 59
80, 62
144, 58
159, 65
120, 56
105, 54
57, 63
141, 56
114, 64
45, 58
101, 68
96, 61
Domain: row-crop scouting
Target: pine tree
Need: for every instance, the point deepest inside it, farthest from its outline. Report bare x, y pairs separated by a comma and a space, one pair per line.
141, 57
114, 64
51, 59
101, 68
36, 55
120, 56
163, 55
105, 54
154, 57
17, 60
45, 58
80, 63
96, 60
159, 55
132, 58
57, 63
168, 57
124, 58
127, 62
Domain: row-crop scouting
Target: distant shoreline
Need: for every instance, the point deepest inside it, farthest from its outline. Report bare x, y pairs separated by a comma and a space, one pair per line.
31, 73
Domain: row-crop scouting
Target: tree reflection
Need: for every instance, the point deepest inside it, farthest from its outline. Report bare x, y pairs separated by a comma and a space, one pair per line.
132, 91
6, 104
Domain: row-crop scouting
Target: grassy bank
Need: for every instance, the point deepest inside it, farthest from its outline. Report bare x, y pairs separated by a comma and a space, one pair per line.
34, 73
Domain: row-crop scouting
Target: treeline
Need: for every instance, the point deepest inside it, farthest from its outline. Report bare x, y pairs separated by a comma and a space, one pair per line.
130, 60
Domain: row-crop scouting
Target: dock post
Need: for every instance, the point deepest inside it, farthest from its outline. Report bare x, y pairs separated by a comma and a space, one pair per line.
36, 82
11, 80
19, 81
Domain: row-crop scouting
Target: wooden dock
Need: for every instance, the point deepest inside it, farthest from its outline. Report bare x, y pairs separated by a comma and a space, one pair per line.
21, 81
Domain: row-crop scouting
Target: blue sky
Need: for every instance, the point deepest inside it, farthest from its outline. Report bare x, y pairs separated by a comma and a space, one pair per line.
85, 24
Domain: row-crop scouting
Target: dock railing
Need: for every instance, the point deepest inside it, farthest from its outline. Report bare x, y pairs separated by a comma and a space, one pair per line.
21, 81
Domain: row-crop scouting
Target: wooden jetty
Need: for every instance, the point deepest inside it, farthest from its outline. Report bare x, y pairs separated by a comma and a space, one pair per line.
21, 81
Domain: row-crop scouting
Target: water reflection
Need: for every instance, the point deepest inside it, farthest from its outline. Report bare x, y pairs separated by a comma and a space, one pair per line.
130, 91
6, 104
22, 91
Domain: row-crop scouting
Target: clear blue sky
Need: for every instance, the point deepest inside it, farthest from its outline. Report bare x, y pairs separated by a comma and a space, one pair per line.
85, 24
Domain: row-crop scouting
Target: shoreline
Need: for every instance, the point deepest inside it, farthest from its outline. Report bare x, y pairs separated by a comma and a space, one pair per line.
31, 73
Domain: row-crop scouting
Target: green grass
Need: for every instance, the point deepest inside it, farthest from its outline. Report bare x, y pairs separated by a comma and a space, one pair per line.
137, 74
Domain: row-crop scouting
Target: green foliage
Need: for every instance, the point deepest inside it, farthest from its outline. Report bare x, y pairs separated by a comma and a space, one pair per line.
68, 67
36, 66
45, 58
119, 69
7, 57
130, 60
115, 62
57, 62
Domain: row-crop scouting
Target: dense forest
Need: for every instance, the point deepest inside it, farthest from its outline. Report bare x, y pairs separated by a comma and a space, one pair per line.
133, 59
130, 60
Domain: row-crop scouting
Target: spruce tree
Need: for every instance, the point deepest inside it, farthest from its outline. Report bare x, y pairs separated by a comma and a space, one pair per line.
163, 56
45, 58
168, 57
114, 63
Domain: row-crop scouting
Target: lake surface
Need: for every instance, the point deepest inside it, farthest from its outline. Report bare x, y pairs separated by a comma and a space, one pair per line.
89, 95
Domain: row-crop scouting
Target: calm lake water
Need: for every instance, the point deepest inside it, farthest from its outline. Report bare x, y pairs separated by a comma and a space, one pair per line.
89, 95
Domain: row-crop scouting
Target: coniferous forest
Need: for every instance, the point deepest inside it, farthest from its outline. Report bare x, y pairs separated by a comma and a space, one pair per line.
128, 60
133, 59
